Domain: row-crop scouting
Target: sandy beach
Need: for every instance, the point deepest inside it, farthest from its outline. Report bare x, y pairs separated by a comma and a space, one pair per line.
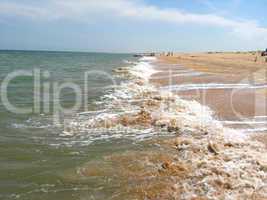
235, 68
133, 100
220, 62
167, 130
210, 151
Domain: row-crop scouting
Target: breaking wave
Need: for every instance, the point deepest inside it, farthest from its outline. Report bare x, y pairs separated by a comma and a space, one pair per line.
210, 159
137, 109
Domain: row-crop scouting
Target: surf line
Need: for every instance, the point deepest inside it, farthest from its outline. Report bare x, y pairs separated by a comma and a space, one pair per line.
178, 75
208, 86
244, 122
252, 130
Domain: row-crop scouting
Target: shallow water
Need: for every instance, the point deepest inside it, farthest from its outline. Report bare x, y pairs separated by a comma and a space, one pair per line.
35, 154
112, 149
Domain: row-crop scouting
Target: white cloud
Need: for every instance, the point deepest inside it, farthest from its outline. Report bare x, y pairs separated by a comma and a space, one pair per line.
11, 9
134, 9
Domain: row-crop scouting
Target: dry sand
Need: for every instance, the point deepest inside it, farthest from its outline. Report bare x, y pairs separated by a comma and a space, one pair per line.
239, 62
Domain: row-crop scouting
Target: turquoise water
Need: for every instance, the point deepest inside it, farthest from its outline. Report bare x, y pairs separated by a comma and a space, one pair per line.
35, 158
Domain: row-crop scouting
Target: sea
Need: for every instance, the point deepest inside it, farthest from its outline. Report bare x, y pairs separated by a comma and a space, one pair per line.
77, 125
36, 151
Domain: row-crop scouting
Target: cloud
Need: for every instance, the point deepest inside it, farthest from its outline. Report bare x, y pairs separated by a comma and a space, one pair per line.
132, 9
15, 9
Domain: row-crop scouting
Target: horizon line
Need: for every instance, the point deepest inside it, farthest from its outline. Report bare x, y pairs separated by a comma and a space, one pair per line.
106, 52
67, 51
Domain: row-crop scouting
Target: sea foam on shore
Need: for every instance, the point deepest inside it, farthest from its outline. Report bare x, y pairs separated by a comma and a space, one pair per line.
209, 161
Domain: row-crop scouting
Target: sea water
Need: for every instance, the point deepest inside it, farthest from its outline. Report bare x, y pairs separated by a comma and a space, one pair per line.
36, 152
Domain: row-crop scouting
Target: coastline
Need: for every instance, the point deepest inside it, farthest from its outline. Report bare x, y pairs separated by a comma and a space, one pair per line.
243, 65
219, 62
202, 159
234, 68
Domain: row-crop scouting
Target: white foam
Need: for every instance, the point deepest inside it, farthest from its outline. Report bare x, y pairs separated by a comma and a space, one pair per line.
234, 135
92, 112
252, 122
129, 62
185, 74
253, 130
148, 58
189, 115
186, 87
18, 126
143, 70
254, 125
260, 116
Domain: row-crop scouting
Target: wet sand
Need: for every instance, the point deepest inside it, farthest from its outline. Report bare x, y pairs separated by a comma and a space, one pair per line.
199, 158
230, 99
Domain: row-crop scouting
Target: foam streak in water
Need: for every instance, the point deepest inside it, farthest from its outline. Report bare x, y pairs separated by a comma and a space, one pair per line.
245, 122
173, 75
208, 86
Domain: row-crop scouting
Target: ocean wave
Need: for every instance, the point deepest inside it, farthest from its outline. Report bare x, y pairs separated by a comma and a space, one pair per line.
209, 159
148, 58
33, 123
138, 105
129, 62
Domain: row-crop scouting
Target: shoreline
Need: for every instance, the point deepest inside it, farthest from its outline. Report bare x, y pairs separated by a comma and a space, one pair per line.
214, 145
229, 68
202, 160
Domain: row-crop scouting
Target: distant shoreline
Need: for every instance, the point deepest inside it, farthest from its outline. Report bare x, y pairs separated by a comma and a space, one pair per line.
219, 62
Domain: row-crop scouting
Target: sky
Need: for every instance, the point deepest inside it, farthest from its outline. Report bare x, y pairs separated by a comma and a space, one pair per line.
133, 25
